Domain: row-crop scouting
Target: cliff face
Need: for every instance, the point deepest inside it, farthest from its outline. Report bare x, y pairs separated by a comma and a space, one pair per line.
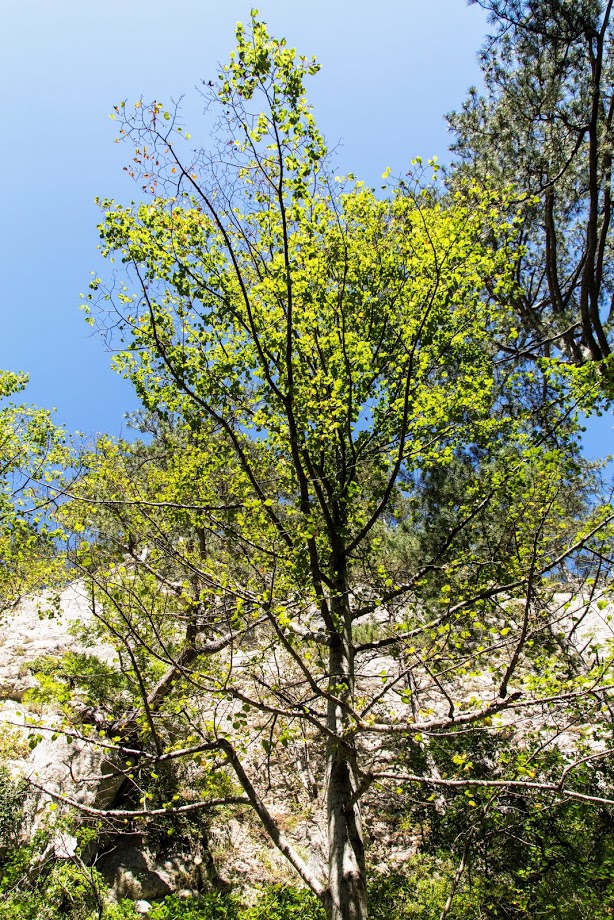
226, 849
39, 626
36, 630
36, 743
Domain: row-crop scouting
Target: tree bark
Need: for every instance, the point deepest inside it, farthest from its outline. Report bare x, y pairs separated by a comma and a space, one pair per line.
347, 893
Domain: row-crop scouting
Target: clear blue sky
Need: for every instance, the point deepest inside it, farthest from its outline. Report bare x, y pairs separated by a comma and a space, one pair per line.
391, 70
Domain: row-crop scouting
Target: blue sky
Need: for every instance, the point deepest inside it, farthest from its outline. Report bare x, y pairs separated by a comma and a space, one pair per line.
390, 70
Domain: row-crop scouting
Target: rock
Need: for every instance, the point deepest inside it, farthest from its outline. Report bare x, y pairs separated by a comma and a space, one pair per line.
14, 687
49, 759
137, 873
37, 627
129, 873
65, 845
236, 851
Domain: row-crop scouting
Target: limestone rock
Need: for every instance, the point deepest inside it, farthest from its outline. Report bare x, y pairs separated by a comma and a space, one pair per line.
37, 627
137, 873
30, 739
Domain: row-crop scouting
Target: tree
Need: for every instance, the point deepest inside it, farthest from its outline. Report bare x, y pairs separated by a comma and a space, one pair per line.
544, 127
30, 445
285, 587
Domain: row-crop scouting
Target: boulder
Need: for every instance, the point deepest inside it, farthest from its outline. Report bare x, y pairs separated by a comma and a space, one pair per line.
139, 874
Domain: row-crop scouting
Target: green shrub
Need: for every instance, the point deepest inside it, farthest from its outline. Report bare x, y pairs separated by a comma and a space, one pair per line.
12, 801
48, 889
276, 902
210, 906
279, 902
61, 676
123, 910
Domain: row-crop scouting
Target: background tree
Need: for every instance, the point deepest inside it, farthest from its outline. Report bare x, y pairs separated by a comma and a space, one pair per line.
313, 355
31, 447
544, 126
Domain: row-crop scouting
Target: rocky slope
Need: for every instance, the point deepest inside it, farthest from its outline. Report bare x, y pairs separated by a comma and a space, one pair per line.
231, 850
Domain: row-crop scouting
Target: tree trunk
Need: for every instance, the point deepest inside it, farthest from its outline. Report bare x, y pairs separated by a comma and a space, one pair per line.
347, 892
346, 862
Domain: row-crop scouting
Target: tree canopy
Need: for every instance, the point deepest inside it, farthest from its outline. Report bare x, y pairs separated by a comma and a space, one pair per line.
30, 446
543, 126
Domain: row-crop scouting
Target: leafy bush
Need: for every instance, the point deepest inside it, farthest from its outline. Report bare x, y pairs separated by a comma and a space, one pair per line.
12, 800
210, 906
59, 677
123, 910
13, 744
276, 902
36, 887
279, 902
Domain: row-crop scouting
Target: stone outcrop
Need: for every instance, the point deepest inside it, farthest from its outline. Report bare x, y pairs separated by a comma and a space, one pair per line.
40, 628
56, 763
